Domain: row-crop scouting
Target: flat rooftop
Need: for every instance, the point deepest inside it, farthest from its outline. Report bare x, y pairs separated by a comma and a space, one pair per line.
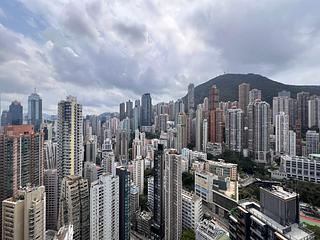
280, 192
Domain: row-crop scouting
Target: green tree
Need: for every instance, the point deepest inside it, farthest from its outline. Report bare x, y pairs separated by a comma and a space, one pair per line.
188, 235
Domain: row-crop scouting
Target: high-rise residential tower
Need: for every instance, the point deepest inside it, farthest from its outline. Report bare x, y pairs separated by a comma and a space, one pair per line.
69, 138
138, 173
129, 109
191, 98
158, 197
52, 196
312, 139
104, 208
35, 111
24, 215
234, 129
254, 94
244, 89
74, 207
172, 195
282, 133
302, 107
124, 203
199, 131
259, 120
21, 159
213, 98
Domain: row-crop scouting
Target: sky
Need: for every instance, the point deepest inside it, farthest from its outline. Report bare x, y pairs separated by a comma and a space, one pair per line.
108, 51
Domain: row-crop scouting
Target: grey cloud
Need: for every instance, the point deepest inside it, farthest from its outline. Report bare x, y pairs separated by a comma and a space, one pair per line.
131, 32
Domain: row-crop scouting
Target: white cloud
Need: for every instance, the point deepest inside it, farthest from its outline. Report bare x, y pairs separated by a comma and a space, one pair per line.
107, 51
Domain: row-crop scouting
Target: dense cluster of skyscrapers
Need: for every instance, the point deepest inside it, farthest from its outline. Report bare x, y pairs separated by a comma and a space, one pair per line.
119, 175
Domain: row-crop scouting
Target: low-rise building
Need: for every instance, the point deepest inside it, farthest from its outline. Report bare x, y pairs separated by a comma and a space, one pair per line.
275, 217
208, 230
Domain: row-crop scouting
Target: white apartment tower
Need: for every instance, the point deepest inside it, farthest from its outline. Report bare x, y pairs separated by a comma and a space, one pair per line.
173, 195
282, 133
292, 143
104, 208
70, 151
205, 136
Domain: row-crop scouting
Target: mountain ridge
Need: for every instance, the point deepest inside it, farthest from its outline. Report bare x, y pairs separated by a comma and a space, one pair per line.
228, 87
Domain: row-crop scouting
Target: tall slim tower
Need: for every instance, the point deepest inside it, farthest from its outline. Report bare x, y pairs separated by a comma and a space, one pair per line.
158, 198
138, 173
302, 106
244, 89
173, 195
129, 109
70, 138
182, 138
234, 129
282, 133
124, 203
104, 208
259, 121
52, 195
146, 110
199, 130
35, 111
213, 98
190, 98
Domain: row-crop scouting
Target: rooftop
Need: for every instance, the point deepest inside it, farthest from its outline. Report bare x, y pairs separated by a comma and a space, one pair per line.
294, 231
280, 192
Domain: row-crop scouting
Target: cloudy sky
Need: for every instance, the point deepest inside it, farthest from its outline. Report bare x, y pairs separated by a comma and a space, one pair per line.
107, 51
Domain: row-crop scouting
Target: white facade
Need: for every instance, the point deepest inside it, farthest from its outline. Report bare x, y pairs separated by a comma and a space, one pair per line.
191, 210
199, 123
138, 173
302, 168
292, 143
282, 133
104, 208
150, 193
208, 230
204, 135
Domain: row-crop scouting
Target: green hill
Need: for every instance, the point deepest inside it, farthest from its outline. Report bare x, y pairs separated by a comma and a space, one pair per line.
228, 86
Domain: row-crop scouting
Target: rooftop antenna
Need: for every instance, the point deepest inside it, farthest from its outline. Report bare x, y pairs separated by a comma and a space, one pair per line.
35, 90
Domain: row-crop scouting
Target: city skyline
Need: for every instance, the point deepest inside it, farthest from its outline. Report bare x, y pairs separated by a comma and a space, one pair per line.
117, 56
